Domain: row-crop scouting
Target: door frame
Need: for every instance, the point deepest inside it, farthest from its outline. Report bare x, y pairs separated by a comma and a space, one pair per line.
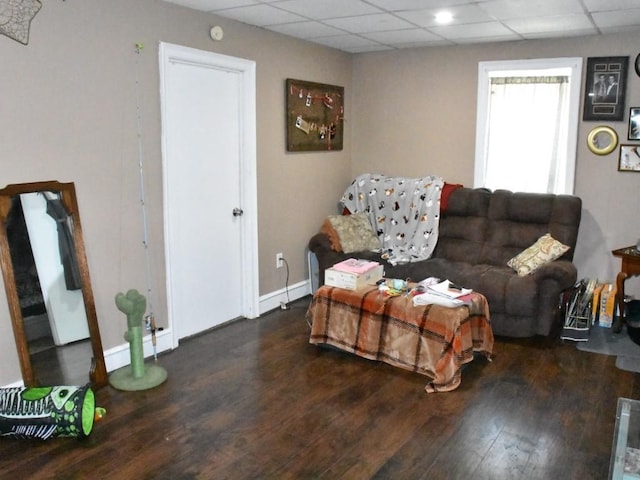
170, 53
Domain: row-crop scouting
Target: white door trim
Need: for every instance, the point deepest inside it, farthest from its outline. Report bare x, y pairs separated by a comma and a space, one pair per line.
168, 54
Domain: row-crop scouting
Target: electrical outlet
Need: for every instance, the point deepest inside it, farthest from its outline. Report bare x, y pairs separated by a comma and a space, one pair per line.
279, 260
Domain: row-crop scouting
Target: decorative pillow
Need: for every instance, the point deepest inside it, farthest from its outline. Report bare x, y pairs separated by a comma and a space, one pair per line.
355, 232
330, 232
545, 250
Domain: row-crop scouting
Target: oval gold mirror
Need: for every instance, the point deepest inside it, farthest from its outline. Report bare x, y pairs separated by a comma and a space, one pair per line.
46, 279
602, 140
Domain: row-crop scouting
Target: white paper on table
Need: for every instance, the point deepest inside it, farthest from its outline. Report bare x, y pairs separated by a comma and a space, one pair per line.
443, 288
435, 299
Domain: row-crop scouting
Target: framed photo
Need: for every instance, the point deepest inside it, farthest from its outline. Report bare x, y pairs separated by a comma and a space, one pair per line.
634, 123
315, 116
605, 88
629, 158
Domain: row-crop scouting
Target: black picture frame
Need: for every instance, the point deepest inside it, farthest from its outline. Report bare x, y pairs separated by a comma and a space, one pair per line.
605, 88
634, 123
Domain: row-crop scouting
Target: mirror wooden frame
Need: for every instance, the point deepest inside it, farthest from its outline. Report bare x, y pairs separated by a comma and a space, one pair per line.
97, 372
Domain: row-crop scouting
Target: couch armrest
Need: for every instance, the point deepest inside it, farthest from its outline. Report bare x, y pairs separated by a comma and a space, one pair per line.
320, 243
327, 257
553, 278
563, 272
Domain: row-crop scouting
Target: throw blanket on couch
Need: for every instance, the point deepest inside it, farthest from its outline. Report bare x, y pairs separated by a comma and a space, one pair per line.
404, 212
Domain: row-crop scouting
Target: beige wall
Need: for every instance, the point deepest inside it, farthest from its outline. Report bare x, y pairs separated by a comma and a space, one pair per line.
69, 113
415, 115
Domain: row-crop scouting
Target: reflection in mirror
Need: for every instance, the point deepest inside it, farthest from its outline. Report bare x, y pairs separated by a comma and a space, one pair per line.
48, 287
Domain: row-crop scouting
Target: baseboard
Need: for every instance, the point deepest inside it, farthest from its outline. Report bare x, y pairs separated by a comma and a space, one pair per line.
273, 300
119, 356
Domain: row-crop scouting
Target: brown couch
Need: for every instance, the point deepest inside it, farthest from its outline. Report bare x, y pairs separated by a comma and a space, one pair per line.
479, 232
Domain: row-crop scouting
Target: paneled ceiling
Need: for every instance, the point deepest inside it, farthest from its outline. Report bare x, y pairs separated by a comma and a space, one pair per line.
375, 25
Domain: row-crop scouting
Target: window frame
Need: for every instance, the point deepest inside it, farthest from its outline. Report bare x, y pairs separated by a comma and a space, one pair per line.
489, 68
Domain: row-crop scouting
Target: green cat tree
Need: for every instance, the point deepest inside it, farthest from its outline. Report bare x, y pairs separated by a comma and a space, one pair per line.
138, 375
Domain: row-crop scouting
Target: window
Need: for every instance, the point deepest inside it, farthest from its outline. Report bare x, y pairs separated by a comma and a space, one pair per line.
527, 125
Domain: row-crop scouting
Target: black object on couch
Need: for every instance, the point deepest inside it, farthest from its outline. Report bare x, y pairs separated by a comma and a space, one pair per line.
479, 232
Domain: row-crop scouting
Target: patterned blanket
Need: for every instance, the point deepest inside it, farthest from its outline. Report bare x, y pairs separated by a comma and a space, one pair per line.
405, 212
431, 340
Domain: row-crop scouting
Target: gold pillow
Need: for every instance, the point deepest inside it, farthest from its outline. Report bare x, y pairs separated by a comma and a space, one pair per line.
355, 232
545, 250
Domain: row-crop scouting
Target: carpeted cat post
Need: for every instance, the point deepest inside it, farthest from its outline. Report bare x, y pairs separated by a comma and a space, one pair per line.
136, 376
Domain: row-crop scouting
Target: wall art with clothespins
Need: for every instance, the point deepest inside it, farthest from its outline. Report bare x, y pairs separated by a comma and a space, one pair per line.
315, 116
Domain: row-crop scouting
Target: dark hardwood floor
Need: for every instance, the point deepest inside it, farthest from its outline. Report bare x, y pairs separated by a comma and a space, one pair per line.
254, 399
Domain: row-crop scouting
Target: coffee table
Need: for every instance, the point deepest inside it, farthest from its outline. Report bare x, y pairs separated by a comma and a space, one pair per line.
428, 339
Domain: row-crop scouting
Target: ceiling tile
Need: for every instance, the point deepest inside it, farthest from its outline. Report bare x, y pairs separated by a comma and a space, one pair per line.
566, 34
474, 31
211, 5
620, 29
381, 48
319, 10
261, 15
398, 5
369, 23
618, 18
349, 41
508, 9
461, 14
551, 24
609, 5
306, 29
485, 39
399, 37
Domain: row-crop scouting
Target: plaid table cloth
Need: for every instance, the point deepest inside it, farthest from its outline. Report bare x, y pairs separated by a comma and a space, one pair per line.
429, 339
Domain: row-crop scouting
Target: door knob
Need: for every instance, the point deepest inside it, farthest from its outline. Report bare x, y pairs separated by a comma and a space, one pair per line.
237, 212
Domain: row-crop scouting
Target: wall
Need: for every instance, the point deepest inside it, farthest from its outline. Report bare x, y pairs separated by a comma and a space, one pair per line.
416, 115
69, 114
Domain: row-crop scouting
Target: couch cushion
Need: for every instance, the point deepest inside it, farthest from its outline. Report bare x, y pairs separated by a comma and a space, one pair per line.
463, 225
545, 250
517, 220
355, 232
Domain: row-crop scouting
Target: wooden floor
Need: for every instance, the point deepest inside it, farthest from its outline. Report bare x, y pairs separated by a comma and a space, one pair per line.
253, 399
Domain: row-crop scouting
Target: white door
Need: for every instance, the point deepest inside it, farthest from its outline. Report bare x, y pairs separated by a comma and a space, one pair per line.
208, 122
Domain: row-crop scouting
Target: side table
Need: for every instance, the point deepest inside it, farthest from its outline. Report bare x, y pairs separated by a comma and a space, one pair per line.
630, 266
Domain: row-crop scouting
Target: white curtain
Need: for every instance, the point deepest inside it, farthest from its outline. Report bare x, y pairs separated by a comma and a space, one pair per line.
527, 133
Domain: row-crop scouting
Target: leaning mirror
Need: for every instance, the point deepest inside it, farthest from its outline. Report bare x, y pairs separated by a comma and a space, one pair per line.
46, 279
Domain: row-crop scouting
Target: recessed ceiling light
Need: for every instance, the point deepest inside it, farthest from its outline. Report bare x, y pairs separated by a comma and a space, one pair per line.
444, 17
